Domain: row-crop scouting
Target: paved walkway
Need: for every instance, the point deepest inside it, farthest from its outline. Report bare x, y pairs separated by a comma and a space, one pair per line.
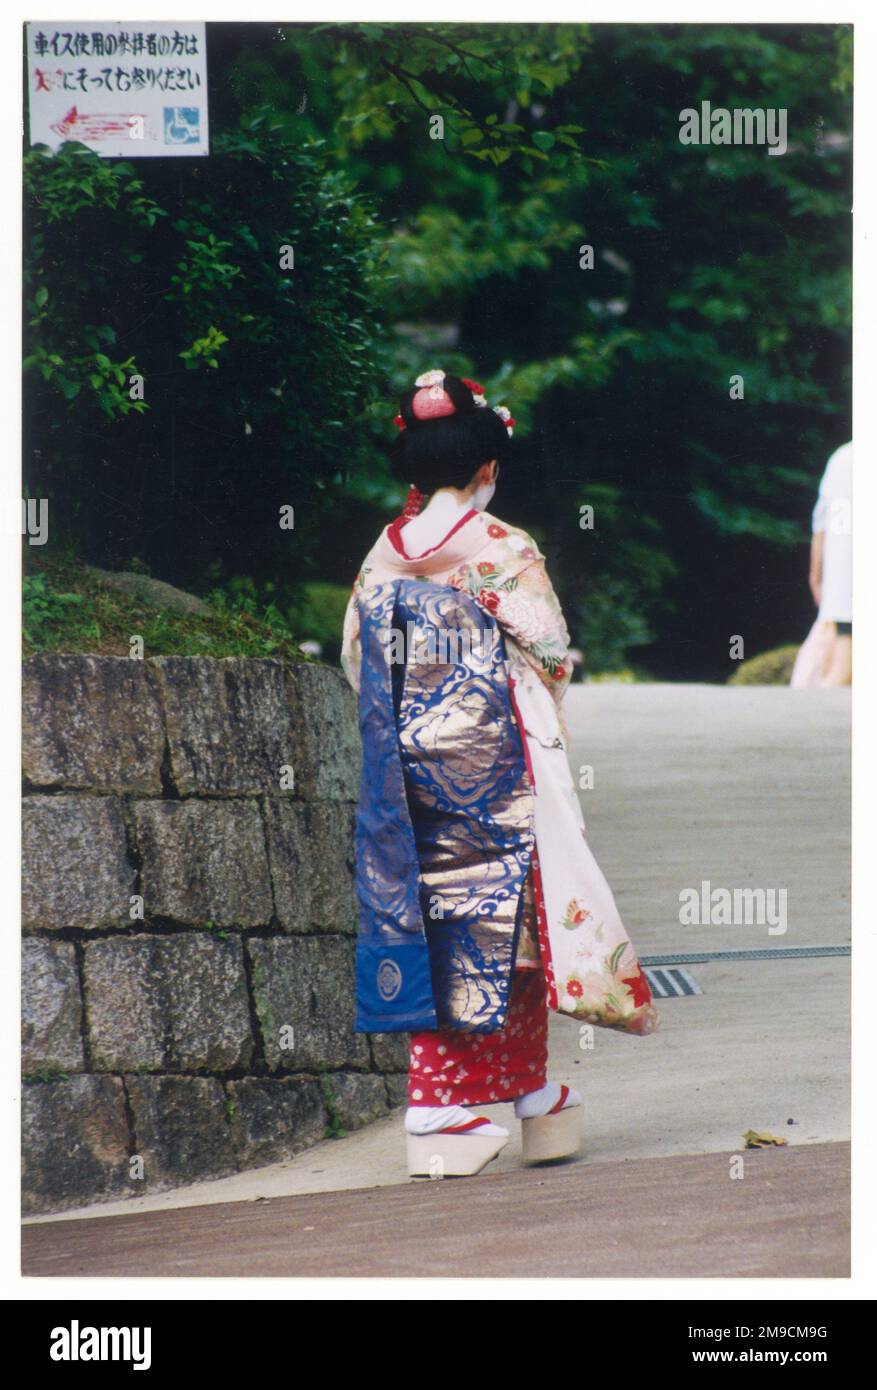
744, 788
665, 1218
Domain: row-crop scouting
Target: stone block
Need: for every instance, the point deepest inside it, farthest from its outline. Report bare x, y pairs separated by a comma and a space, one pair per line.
182, 1129
75, 1142
228, 724
91, 722
204, 862
275, 1117
51, 1007
356, 1098
75, 868
303, 988
312, 865
397, 1089
327, 752
167, 1003
390, 1051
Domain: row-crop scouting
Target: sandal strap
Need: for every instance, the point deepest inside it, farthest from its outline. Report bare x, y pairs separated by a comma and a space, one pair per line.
564, 1092
476, 1123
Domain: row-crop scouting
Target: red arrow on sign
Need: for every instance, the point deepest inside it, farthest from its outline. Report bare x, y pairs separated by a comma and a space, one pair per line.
96, 126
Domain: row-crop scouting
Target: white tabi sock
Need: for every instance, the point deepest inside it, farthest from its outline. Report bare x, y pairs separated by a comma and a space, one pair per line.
430, 1119
540, 1102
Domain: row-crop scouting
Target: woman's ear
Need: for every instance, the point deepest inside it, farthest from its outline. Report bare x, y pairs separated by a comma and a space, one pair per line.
485, 475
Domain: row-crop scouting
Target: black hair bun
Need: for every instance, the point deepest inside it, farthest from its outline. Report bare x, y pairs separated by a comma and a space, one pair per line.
447, 450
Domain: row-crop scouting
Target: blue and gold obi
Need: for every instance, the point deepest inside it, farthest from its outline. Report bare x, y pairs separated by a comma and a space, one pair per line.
444, 832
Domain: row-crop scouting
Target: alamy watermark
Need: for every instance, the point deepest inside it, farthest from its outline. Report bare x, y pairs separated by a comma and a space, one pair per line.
742, 126
734, 907
439, 647
30, 515
78, 1343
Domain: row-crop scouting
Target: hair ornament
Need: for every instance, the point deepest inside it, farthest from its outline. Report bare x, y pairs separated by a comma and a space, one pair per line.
431, 400
413, 502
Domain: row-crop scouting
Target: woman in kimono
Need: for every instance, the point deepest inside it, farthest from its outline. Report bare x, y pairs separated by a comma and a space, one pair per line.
481, 905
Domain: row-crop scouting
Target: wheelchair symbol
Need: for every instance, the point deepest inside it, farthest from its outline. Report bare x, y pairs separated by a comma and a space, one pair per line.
182, 125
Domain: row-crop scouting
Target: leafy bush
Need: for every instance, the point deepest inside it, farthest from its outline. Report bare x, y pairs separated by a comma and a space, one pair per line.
45, 612
768, 668
266, 387
68, 608
320, 616
255, 372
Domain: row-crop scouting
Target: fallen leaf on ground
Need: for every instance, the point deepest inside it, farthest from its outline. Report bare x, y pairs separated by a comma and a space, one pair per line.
761, 1139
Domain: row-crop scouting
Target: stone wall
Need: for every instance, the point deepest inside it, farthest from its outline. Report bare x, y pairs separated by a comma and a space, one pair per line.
189, 921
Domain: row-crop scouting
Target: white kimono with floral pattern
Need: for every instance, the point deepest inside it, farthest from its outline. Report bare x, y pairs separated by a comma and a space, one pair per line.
590, 966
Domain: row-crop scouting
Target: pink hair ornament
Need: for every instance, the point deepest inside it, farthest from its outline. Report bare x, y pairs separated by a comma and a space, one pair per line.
431, 401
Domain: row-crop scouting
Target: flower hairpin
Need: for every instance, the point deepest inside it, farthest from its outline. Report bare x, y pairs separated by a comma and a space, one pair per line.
437, 401
477, 391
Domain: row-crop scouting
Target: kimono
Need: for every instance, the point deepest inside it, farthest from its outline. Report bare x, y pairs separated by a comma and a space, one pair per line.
481, 905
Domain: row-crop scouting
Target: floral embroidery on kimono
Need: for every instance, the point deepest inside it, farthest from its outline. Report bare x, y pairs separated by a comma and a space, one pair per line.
509, 580
514, 587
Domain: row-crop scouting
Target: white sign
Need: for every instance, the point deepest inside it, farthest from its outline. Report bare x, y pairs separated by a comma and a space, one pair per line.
126, 90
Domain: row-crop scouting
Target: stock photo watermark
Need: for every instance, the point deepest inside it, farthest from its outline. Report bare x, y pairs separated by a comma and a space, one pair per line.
734, 907
741, 126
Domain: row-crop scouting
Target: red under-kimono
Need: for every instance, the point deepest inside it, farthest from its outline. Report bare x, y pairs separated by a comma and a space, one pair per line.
454, 1068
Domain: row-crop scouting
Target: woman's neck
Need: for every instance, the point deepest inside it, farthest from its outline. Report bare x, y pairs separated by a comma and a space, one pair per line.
448, 499
445, 507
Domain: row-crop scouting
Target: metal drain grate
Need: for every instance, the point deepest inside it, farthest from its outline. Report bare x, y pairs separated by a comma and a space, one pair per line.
668, 978
671, 983
767, 953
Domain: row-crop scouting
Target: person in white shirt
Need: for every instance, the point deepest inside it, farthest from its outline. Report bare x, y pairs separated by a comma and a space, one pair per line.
831, 563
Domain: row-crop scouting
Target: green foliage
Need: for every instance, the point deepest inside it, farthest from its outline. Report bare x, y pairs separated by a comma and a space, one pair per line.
254, 374
239, 602
204, 348
319, 615
709, 262
46, 612
68, 352
267, 387
443, 253
67, 608
626, 676
477, 77
44, 1075
334, 1128
768, 668
313, 611
618, 607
